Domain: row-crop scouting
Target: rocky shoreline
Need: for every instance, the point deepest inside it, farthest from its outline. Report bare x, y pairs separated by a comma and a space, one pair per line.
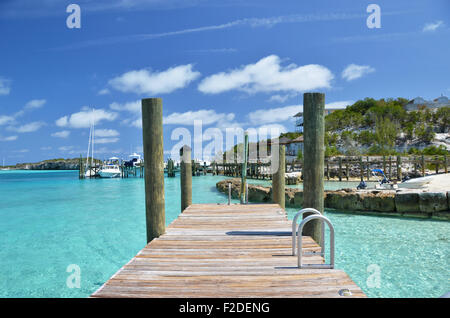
410, 203
57, 164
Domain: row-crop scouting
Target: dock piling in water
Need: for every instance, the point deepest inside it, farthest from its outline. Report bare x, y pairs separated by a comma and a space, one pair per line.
185, 177
243, 192
278, 178
313, 171
152, 133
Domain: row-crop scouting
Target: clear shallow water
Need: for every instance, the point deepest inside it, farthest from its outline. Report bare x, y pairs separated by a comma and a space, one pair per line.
49, 220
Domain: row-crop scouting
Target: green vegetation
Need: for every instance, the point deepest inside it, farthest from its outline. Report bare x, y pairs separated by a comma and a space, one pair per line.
291, 135
429, 151
378, 125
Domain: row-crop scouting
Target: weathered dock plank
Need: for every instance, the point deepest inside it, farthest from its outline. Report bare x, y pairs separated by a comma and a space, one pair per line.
226, 251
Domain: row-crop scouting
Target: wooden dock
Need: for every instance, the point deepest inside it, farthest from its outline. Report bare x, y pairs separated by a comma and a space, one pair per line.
226, 251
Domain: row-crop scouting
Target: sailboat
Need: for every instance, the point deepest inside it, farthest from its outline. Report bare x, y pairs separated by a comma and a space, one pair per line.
3, 166
90, 168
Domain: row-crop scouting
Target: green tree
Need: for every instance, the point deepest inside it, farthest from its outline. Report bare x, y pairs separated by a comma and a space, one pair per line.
385, 134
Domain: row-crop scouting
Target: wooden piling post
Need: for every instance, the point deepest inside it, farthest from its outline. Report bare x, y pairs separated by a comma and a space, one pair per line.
390, 167
186, 177
368, 169
423, 165
384, 164
361, 168
313, 183
445, 164
244, 170
340, 169
278, 178
399, 168
328, 168
436, 160
152, 133
347, 169
81, 170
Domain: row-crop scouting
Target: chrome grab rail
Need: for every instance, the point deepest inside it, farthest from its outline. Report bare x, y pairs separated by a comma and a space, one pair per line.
299, 252
246, 193
294, 223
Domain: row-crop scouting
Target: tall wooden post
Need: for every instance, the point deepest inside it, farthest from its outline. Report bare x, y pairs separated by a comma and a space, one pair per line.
186, 177
423, 165
368, 169
152, 133
436, 160
399, 168
314, 151
278, 178
243, 192
445, 164
384, 164
347, 169
340, 169
81, 170
390, 167
361, 168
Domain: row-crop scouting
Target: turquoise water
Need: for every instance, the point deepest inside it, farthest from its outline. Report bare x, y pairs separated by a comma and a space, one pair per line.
50, 220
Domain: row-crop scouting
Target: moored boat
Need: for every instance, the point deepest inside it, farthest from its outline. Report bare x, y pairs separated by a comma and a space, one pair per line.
110, 169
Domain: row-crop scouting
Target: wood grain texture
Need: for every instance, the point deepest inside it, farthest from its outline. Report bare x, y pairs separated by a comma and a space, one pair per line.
226, 251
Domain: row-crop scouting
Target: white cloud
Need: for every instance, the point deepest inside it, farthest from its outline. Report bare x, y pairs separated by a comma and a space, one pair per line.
281, 98
273, 115
5, 86
353, 71
6, 120
61, 134
432, 26
46, 148
104, 91
266, 22
147, 82
106, 140
285, 113
267, 75
35, 103
132, 107
65, 148
9, 138
27, 128
207, 116
106, 133
84, 118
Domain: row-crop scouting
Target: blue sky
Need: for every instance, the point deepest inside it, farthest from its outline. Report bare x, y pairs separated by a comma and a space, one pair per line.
227, 63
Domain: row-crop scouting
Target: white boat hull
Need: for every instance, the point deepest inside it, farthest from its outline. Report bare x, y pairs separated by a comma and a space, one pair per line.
415, 183
109, 174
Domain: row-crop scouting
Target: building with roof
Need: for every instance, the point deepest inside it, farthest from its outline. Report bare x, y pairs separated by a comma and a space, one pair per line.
419, 103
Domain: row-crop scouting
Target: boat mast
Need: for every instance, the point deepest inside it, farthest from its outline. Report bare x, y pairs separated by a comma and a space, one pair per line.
89, 147
93, 133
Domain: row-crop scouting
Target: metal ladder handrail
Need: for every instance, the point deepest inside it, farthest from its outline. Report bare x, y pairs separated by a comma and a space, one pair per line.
299, 243
294, 223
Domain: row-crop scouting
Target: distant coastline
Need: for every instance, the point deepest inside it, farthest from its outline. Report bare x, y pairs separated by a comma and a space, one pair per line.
51, 164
